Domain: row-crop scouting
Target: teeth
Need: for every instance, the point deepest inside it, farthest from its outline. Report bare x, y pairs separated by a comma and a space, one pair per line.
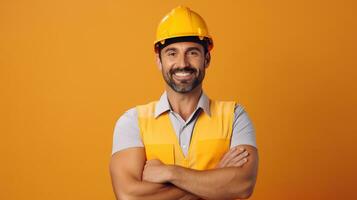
182, 74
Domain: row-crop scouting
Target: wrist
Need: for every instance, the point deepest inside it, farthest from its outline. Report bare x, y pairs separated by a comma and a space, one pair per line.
171, 171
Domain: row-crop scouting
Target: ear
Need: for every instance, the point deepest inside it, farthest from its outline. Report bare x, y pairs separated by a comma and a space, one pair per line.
158, 61
207, 59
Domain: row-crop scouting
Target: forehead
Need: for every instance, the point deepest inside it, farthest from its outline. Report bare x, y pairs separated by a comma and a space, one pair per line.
183, 46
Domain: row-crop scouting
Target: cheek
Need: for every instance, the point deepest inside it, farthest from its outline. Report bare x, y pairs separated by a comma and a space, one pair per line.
165, 69
166, 65
199, 66
198, 62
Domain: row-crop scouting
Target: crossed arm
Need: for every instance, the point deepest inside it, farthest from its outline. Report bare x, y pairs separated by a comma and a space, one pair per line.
234, 177
126, 169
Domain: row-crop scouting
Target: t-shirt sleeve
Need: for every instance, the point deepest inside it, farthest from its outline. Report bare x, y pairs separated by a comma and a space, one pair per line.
127, 132
243, 130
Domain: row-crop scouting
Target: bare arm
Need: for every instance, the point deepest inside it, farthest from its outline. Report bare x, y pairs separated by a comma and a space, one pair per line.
221, 183
126, 169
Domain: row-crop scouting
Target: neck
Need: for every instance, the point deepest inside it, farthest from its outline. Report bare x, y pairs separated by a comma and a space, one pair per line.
184, 103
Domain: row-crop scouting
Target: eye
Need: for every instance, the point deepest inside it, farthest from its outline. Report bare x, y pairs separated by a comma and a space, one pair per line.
193, 53
171, 53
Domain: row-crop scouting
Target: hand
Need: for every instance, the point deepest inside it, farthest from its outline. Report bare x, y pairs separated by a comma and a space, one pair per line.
155, 171
235, 157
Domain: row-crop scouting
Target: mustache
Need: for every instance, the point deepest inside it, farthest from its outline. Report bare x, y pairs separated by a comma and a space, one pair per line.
185, 69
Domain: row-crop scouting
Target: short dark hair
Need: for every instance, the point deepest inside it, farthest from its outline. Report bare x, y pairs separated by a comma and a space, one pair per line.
205, 42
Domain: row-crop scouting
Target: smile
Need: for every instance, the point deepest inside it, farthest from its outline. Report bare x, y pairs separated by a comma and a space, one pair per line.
183, 76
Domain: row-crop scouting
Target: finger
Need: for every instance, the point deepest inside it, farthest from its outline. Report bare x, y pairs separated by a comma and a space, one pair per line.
225, 159
155, 162
238, 158
241, 162
230, 155
235, 154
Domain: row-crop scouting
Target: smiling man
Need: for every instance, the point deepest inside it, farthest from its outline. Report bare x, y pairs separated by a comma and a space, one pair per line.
184, 146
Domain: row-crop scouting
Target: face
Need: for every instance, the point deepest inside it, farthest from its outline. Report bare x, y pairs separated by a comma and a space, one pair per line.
183, 65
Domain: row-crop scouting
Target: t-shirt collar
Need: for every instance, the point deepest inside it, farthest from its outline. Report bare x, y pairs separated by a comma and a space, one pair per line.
163, 104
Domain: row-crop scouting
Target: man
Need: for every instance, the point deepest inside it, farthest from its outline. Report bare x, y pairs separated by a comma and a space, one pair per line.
185, 146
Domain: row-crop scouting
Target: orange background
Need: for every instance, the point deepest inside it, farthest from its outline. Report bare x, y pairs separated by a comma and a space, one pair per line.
69, 69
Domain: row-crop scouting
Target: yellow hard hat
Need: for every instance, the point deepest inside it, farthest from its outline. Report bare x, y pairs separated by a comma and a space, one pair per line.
180, 22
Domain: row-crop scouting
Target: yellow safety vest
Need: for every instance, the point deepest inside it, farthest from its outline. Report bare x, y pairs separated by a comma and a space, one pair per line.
210, 138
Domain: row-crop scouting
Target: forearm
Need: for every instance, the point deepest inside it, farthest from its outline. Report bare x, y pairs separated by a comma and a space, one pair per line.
142, 190
224, 183
230, 182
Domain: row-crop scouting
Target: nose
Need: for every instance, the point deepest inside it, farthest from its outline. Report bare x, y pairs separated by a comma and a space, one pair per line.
182, 61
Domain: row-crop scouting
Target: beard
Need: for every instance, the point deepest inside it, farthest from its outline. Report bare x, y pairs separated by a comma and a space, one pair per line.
184, 86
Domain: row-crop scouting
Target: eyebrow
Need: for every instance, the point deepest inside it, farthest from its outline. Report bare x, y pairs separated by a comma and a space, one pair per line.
188, 49
193, 48
170, 49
